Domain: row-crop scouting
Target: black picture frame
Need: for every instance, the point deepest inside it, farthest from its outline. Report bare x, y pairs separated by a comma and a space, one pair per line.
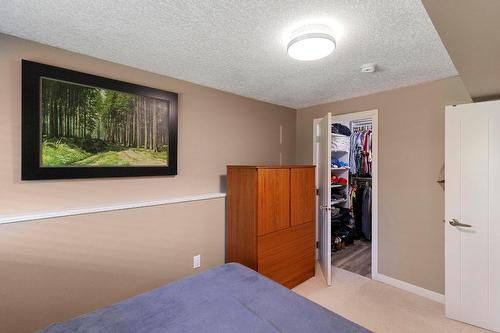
32, 72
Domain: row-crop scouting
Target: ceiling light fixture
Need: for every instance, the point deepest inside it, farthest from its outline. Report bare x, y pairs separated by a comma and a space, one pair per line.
311, 42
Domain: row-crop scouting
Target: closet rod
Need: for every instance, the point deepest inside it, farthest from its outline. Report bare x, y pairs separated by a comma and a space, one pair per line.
362, 121
364, 179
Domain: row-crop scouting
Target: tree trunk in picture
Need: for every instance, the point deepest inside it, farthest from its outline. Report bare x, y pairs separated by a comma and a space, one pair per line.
150, 131
58, 123
52, 115
127, 132
145, 125
155, 129
134, 126
68, 112
137, 124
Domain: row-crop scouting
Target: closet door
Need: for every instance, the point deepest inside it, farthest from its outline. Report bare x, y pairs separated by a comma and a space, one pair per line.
325, 218
472, 228
302, 195
273, 200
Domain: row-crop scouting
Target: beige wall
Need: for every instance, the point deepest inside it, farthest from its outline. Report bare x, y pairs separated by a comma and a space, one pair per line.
411, 156
55, 269
215, 129
469, 31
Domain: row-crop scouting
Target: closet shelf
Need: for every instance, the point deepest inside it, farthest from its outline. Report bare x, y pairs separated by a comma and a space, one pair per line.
337, 185
340, 169
334, 202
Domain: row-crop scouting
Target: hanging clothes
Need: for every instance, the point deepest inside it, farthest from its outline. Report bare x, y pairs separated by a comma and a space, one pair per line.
370, 153
352, 151
361, 209
360, 160
365, 152
366, 213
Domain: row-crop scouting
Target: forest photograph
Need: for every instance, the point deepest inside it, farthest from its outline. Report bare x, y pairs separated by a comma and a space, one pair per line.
84, 126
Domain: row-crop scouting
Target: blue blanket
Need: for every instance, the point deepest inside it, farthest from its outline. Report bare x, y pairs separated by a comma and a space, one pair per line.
229, 298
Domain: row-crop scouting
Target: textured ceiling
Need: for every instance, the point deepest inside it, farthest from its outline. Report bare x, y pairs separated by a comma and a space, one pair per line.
240, 46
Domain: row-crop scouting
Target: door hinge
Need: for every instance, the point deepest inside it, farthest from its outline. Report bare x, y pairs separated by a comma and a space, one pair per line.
317, 191
317, 245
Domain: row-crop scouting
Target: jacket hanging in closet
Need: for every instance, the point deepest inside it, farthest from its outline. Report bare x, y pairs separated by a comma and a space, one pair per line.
360, 161
366, 213
361, 208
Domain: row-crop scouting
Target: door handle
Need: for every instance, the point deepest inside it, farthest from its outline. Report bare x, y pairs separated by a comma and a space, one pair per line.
455, 223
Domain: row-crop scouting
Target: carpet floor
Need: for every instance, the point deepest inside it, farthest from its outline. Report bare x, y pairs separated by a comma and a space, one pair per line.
377, 306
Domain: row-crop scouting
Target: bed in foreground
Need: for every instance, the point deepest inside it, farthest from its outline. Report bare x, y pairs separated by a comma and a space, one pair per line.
229, 298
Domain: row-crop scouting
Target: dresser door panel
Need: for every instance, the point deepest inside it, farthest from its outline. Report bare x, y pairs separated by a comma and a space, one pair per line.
302, 195
288, 256
273, 200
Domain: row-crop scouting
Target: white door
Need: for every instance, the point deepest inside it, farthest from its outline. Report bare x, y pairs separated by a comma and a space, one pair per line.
472, 214
324, 228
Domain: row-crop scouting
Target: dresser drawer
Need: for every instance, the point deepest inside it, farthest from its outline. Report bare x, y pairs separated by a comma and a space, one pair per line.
287, 256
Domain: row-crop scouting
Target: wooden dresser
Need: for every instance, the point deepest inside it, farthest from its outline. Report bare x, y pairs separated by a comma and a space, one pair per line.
270, 221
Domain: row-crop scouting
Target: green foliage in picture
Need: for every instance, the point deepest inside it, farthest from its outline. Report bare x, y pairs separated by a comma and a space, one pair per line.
88, 126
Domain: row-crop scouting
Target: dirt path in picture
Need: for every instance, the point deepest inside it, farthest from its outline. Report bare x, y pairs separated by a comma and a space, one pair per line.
130, 156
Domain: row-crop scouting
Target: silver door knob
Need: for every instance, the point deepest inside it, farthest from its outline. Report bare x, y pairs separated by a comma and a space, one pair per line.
455, 223
324, 207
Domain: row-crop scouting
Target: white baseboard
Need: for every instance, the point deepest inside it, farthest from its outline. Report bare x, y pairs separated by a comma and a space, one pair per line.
432, 295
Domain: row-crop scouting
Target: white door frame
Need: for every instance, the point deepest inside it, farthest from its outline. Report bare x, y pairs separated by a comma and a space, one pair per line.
373, 115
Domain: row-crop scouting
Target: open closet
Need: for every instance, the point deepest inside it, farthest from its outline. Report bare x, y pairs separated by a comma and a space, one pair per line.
351, 217
345, 149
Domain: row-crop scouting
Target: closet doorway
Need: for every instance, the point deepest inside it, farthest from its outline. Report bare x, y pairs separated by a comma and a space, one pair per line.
345, 151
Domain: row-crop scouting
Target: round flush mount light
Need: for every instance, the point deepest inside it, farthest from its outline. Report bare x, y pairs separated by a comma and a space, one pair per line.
311, 42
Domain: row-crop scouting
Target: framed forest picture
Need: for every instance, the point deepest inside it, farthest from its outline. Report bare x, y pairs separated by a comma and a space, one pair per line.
77, 125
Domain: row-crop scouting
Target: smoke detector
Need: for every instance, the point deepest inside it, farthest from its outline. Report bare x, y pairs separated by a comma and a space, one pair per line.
368, 68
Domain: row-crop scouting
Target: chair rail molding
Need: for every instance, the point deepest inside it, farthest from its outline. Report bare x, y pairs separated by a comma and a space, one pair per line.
106, 208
